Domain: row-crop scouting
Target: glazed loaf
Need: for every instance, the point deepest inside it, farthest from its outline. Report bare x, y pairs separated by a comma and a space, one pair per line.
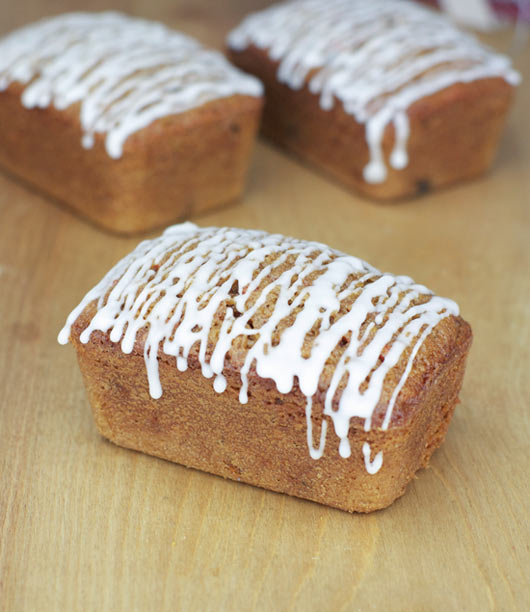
130, 123
277, 362
387, 96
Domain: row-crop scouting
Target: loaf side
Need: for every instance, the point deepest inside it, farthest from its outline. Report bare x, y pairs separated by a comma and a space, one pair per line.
177, 167
454, 133
264, 442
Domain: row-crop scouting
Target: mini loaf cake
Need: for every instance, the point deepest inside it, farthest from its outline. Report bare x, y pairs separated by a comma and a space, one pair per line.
277, 362
386, 95
130, 123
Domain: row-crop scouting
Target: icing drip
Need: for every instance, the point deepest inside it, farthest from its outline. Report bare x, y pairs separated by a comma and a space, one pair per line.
299, 313
376, 57
372, 467
315, 453
125, 72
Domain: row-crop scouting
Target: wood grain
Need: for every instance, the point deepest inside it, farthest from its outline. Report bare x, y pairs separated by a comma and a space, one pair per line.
85, 525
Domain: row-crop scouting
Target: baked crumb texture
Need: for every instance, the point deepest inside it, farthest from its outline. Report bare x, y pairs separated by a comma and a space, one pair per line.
130, 123
273, 361
387, 96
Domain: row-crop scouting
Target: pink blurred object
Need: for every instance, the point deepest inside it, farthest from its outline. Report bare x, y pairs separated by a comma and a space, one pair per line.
484, 14
512, 10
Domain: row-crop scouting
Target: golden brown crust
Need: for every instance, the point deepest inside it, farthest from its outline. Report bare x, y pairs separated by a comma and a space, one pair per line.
453, 133
264, 442
179, 165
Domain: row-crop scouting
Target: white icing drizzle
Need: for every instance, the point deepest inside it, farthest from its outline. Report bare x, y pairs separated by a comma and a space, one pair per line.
372, 467
192, 284
376, 57
315, 453
125, 72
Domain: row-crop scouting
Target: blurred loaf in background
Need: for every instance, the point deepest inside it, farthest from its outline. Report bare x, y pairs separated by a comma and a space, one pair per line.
130, 123
387, 96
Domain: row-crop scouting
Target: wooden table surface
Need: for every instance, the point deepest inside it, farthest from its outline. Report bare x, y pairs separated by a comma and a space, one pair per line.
85, 525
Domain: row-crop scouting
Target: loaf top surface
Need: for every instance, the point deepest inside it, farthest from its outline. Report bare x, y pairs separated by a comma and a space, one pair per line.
376, 57
296, 312
124, 72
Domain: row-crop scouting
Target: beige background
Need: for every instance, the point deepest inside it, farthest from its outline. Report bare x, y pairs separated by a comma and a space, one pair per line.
85, 525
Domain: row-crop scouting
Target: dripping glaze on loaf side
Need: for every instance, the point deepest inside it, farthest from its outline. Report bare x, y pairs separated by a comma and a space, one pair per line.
377, 58
182, 282
125, 72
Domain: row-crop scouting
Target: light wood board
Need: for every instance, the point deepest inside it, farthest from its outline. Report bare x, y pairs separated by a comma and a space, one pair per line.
85, 525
